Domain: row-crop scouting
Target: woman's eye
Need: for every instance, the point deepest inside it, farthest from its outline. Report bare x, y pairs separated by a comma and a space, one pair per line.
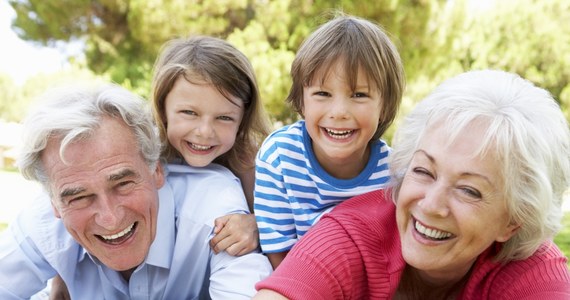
421, 171
471, 192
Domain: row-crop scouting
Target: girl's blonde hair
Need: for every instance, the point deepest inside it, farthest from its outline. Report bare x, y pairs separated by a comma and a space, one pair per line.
215, 61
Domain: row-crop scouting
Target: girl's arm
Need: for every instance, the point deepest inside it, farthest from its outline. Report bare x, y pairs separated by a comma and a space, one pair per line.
237, 234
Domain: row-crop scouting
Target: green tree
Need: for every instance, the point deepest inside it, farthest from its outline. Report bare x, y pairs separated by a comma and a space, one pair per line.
123, 37
10, 105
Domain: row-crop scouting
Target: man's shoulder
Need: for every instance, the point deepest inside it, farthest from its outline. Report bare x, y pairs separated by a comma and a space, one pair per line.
212, 170
203, 194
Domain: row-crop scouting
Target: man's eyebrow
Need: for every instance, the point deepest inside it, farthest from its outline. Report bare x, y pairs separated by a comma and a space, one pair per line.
71, 192
122, 174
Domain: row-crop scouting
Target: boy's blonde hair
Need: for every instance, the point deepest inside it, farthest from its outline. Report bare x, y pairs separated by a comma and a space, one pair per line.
356, 43
210, 59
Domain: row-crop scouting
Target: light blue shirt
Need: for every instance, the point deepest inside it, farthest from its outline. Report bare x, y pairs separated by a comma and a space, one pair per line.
180, 263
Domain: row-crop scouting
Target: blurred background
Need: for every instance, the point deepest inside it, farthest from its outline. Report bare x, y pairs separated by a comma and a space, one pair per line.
46, 42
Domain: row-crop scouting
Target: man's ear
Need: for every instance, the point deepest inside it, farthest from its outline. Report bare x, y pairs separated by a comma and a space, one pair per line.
55, 210
158, 175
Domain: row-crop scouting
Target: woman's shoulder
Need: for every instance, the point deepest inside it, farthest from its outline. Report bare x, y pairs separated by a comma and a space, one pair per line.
374, 210
544, 274
377, 199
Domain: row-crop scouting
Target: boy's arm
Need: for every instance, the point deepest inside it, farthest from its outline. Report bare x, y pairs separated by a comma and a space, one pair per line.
276, 258
58, 289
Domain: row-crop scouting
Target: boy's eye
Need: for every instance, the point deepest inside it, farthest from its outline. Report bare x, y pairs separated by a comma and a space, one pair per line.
359, 95
322, 93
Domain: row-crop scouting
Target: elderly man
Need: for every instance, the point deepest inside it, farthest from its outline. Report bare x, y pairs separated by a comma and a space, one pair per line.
125, 227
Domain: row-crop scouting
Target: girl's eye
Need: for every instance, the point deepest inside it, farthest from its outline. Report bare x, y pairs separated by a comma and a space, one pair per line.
188, 112
225, 118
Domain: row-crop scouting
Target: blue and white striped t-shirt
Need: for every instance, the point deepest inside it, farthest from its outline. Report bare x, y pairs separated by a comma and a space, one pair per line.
292, 191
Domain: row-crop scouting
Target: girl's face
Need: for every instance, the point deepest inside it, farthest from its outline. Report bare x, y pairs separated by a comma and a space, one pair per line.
202, 124
451, 205
341, 121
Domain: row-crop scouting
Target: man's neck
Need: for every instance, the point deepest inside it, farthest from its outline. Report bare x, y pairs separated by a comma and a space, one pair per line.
127, 273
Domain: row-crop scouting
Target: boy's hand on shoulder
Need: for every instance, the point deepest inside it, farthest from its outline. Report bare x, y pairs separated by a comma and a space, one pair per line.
237, 234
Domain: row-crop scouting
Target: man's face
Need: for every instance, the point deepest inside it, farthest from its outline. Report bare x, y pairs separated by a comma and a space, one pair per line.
105, 194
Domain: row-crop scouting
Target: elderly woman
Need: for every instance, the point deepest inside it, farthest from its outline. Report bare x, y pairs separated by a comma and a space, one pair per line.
479, 170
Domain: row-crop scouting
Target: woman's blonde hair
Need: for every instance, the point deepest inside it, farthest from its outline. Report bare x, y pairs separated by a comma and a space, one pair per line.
525, 130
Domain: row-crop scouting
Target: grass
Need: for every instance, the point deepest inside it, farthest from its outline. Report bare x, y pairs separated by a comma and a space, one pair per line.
562, 240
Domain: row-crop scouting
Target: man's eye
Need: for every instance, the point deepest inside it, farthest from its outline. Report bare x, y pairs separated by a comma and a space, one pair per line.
77, 202
124, 184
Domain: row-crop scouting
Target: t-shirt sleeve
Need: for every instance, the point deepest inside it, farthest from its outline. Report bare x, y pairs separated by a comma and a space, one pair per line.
273, 211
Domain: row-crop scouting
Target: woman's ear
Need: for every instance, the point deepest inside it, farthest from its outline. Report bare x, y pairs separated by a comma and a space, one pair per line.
508, 232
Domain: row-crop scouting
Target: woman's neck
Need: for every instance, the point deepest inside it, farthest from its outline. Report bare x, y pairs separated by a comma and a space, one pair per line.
414, 286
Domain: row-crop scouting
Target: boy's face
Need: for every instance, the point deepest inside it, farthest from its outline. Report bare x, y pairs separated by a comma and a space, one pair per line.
341, 121
201, 123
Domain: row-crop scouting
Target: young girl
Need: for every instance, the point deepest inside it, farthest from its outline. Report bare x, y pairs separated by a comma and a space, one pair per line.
207, 107
347, 85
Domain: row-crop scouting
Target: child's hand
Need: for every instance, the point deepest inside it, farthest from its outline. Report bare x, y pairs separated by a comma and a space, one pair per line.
236, 234
58, 289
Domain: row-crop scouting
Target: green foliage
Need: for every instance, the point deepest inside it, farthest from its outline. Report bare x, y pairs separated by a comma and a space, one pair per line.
123, 37
10, 106
562, 240
436, 38
16, 100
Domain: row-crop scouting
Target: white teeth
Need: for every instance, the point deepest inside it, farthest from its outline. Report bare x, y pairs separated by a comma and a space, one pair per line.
339, 134
431, 233
118, 235
200, 147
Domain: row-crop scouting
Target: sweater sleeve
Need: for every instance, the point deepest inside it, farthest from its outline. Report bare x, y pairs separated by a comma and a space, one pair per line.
318, 267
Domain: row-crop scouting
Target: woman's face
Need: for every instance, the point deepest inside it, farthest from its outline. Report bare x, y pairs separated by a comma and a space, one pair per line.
450, 206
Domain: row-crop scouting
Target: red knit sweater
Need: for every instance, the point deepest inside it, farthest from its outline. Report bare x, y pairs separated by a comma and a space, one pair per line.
354, 253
